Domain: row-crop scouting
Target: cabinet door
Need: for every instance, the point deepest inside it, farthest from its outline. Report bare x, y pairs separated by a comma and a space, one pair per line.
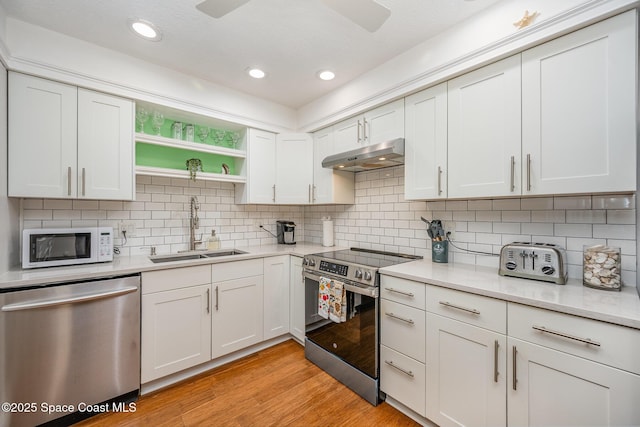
276, 296
329, 186
105, 146
579, 111
348, 134
296, 302
484, 131
553, 388
425, 144
294, 174
466, 374
237, 315
42, 138
261, 176
384, 123
176, 331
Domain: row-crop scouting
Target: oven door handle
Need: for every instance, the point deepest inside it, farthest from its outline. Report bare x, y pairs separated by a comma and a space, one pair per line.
368, 291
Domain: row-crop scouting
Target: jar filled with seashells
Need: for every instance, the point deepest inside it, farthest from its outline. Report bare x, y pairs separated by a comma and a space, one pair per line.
601, 267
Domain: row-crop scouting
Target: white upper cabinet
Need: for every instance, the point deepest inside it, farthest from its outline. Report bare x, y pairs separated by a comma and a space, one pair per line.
484, 131
579, 111
426, 144
68, 143
378, 125
329, 186
105, 149
260, 169
294, 168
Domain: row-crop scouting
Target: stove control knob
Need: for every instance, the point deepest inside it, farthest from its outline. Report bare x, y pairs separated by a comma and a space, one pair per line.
367, 275
358, 274
312, 262
305, 261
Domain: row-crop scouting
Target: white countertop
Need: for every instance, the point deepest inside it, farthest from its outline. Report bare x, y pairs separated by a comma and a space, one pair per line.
136, 264
622, 308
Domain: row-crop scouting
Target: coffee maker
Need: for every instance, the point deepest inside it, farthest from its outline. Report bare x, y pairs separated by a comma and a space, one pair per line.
285, 232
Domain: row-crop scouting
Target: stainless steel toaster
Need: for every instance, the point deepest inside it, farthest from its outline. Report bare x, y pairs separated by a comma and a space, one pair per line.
537, 261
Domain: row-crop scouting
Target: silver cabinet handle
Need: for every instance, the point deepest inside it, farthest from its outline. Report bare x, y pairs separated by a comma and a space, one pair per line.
495, 361
409, 321
359, 137
69, 180
514, 355
71, 300
513, 173
404, 371
208, 301
458, 307
408, 294
216, 298
439, 180
274, 193
364, 129
528, 172
83, 181
310, 197
588, 341
313, 194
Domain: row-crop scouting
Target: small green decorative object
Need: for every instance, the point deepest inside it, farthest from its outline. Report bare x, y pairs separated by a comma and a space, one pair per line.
193, 166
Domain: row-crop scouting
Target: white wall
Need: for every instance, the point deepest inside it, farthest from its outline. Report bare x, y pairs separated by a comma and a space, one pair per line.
9, 207
488, 36
381, 219
161, 215
39, 51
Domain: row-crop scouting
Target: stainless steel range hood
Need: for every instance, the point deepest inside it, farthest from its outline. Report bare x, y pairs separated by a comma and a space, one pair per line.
381, 155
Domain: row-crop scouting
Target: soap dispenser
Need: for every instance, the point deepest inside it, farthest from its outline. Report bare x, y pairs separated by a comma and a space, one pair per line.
214, 241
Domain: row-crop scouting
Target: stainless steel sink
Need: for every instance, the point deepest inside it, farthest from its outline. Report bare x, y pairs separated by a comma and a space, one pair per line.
185, 256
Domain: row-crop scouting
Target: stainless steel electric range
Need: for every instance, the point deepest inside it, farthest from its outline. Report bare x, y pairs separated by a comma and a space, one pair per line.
348, 348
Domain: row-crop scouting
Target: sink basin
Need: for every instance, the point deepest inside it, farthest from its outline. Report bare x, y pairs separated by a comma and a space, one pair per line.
185, 256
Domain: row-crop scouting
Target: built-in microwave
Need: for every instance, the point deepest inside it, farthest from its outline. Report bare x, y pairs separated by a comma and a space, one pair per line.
50, 247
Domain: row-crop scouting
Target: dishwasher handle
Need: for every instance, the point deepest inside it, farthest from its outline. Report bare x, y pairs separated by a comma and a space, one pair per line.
69, 300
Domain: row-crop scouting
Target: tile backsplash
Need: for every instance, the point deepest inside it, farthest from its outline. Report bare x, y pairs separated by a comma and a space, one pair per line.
380, 219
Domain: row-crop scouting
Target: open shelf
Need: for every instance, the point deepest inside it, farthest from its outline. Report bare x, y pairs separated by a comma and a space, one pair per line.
192, 146
200, 176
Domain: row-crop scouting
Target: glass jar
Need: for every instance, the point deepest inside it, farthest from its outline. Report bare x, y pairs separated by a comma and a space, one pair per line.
190, 132
176, 130
601, 267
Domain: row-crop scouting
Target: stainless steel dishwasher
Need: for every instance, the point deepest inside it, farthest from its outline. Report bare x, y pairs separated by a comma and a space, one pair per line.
66, 348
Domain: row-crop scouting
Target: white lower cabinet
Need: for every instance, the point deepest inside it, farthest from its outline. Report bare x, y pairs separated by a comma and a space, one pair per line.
550, 369
296, 292
466, 374
238, 306
552, 388
276, 296
175, 320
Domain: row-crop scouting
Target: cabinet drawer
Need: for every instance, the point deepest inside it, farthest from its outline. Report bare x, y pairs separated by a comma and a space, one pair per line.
612, 345
403, 378
237, 269
175, 278
403, 328
477, 310
403, 291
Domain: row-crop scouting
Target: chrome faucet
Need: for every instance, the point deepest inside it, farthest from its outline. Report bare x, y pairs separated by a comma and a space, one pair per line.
194, 223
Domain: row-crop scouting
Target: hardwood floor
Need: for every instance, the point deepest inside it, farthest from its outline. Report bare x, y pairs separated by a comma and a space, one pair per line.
275, 387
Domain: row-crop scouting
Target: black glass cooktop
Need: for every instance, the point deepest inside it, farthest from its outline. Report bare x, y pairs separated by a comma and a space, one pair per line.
366, 257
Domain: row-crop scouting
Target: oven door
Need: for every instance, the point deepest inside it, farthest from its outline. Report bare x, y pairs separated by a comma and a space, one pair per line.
355, 341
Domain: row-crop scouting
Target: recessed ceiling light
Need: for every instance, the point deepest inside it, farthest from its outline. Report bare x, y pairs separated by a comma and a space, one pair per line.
326, 75
145, 29
382, 158
256, 73
341, 166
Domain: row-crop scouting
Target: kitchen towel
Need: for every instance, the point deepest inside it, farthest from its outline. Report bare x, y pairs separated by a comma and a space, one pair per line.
327, 231
323, 297
337, 298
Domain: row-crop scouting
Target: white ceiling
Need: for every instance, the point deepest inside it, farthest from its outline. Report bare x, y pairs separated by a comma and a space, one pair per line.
290, 39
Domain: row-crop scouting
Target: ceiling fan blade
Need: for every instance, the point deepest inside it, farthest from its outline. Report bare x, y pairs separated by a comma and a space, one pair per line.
219, 8
366, 13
